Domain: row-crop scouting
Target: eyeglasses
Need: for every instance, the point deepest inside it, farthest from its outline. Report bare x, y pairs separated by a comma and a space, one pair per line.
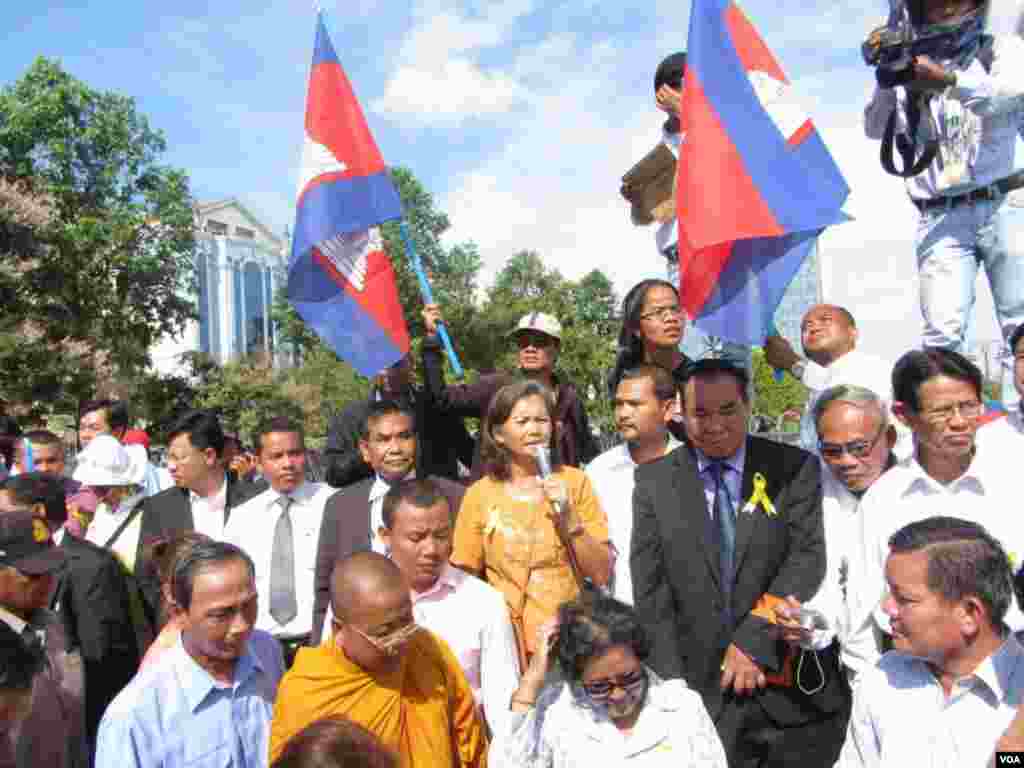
602, 689
391, 642
859, 449
968, 410
662, 314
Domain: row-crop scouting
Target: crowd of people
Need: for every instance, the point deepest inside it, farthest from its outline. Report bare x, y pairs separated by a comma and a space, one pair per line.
694, 595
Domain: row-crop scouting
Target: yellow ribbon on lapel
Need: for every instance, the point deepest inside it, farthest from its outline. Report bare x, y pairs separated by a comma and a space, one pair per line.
760, 496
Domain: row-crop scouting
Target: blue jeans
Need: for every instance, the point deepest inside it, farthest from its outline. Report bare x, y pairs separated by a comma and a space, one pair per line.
951, 245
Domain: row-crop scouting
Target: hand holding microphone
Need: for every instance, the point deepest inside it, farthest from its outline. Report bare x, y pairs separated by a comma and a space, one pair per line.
555, 490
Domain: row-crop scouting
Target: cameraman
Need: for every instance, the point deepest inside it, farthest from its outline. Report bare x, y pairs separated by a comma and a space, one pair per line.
976, 97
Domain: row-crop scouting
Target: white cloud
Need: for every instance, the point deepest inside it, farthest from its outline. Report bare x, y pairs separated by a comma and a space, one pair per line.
439, 77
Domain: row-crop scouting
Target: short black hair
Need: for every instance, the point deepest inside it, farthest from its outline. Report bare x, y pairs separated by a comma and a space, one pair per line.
665, 387
418, 493
963, 559
203, 429
335, 742
709, 367
380, 408
19, 664
919, 365
43, 437
31, 488
590, 625
116, 412
1018, 332
277, 424
198, 557
671, 71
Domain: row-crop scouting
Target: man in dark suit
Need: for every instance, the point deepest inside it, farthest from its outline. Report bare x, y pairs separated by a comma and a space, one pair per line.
718, 525
353, 517
91, 597
204, 492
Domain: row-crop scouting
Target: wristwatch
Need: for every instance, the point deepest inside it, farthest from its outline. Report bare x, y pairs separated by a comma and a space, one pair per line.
798, 368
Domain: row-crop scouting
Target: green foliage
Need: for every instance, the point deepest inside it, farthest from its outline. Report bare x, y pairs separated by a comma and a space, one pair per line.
773, 398
97, 283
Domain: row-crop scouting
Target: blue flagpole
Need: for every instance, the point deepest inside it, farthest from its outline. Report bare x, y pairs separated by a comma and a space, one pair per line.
29, 462
428, 296
778, 372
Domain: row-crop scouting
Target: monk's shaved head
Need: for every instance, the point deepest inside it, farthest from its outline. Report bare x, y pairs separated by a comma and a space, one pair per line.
360, 579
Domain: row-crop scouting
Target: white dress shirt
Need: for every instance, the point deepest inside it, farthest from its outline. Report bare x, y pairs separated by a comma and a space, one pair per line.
901, 715
1004, 437
105, 523
905, 494
251, 527
208, 511
613, 476
378, 491
855, 368
858, 642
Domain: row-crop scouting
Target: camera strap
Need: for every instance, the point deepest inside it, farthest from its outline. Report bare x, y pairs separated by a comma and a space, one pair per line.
907, 143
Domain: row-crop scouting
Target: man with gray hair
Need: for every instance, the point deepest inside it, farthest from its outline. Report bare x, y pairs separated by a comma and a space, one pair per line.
855, 441
950, 689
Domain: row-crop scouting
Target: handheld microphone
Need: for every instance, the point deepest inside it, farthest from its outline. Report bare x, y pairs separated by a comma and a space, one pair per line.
543, 456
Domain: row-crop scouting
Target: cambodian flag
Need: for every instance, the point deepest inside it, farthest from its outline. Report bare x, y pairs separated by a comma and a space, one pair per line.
340, 280
756, 184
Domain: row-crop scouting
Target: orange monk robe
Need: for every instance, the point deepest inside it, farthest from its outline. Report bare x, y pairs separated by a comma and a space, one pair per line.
424, 710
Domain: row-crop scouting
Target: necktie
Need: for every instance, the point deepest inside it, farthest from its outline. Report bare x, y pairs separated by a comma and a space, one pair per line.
725, 523
283, 605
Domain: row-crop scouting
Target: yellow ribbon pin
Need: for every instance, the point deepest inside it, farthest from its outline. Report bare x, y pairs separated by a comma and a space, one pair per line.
760, 496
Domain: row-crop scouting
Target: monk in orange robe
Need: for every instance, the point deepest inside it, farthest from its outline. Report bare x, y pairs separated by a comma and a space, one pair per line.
399, 681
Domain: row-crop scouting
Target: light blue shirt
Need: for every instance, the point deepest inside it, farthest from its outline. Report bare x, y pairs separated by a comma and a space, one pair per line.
733, 477
175, 714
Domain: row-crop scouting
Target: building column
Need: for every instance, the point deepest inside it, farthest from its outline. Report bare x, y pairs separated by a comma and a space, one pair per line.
240, 267
264, 288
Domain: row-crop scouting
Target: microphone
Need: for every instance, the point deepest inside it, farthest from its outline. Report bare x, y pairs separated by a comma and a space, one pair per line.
543, 456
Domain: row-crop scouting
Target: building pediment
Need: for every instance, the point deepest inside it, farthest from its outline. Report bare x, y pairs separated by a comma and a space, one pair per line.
229, 217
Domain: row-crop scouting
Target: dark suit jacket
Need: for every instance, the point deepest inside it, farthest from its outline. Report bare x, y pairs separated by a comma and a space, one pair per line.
346, 529
92, 600
674, 562
170, 512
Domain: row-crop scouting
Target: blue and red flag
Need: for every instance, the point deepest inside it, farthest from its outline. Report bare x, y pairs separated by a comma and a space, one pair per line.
756, 184
340, 280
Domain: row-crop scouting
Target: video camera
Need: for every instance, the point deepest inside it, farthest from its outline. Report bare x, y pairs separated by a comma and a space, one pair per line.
892, 48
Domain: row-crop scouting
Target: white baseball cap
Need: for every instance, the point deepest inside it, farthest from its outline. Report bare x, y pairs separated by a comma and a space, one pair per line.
106, 462
540, 322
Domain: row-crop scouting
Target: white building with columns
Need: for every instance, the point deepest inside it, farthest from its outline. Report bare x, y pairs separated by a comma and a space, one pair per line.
240, 263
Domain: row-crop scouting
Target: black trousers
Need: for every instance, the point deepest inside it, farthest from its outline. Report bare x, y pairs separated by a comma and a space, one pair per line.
753, 739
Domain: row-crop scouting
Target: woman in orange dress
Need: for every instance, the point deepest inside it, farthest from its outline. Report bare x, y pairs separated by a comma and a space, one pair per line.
507, 530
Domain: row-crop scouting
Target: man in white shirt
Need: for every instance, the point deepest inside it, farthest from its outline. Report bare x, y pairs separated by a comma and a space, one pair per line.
279, 529
467, 613
952, 687
110, 417
829, 337
938, 395
353, 519
855, 442
644, 401
969, 194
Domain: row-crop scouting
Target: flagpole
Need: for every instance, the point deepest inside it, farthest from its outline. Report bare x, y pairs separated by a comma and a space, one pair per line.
428, 296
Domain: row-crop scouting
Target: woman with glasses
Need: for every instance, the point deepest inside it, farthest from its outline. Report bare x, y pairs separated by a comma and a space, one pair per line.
653, 325
608, 709
535, 534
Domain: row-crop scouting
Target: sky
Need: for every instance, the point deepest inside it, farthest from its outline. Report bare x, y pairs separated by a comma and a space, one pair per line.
519, 116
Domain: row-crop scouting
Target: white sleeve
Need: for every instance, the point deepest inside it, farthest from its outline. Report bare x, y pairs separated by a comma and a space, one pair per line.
816, 377
524, 741
861, 748
499, 665
999, 90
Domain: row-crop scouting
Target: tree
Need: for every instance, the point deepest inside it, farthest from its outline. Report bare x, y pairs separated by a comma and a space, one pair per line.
94, 286
772, 398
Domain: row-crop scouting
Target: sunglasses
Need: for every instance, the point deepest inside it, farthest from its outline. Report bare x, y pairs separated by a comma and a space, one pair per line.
602, 689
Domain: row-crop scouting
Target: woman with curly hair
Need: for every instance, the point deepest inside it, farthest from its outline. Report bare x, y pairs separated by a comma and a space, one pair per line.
608, 709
